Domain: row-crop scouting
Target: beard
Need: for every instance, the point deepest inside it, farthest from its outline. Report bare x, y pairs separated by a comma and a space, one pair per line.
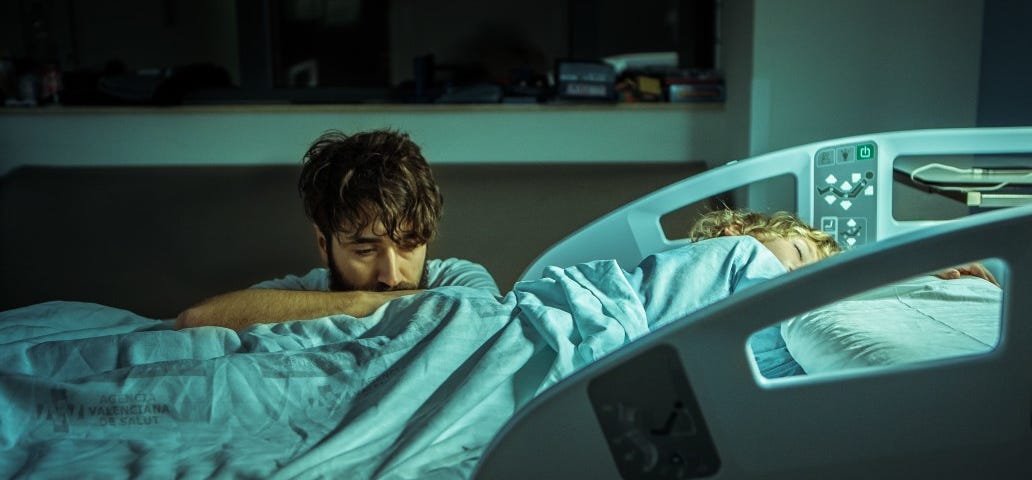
339, 284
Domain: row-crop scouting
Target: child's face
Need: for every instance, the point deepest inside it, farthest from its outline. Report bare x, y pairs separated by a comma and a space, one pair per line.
794, 252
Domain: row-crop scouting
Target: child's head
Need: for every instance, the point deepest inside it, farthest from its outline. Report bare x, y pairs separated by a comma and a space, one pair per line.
790, 239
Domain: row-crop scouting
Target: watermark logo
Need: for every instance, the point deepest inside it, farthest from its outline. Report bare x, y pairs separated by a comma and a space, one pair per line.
123, 410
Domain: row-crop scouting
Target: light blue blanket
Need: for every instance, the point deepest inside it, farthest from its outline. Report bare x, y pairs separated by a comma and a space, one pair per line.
417, 390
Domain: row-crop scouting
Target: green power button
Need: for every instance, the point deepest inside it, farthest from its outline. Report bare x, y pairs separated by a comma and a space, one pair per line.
865, 151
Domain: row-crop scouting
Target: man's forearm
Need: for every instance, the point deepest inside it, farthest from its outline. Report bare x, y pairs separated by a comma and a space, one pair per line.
243, 308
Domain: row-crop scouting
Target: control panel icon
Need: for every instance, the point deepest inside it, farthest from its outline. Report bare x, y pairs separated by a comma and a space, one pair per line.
844, 203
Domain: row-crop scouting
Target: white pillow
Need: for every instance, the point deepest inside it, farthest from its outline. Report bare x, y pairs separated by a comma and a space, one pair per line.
919, 319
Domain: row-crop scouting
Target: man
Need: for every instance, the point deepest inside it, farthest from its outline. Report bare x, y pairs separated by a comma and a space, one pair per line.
375, 206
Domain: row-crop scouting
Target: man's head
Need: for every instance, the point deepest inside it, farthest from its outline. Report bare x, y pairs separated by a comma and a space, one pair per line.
375, 206
790, 239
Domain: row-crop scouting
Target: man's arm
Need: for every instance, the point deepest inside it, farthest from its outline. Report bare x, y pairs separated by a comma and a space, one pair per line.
243, 308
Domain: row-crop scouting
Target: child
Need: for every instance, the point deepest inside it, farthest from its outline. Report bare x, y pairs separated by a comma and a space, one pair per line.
791, 240
794, 242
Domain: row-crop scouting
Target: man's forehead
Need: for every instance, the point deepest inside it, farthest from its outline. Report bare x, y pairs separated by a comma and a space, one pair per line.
349, 239
372, 232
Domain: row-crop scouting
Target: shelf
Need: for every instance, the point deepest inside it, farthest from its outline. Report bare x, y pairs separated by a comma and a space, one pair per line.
382, 108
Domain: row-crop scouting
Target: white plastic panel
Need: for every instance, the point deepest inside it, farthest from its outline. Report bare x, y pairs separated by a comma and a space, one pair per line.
968, 418
963, 418
633, 231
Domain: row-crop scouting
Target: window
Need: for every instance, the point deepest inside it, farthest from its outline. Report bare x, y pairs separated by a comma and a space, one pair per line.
341, 50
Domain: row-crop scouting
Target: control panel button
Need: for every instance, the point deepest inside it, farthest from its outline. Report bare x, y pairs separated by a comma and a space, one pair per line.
845, 154
852, 228
825, 158
865, 151
829, 224
844, 192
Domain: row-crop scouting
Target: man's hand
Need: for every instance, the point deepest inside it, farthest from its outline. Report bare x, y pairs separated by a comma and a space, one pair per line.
971, 269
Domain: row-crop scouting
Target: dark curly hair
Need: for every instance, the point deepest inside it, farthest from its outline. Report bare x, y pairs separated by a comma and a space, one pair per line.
349, 182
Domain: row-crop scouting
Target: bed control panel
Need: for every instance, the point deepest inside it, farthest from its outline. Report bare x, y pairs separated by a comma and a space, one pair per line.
845, 182
651, 420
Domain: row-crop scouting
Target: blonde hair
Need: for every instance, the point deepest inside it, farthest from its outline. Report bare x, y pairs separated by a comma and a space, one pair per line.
763, 227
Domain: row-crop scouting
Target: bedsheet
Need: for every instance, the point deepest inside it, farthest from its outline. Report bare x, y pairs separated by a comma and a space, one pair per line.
416, 390
915, 320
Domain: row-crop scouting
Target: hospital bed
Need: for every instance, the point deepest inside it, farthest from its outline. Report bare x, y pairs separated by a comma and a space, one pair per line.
687, 402
453, 383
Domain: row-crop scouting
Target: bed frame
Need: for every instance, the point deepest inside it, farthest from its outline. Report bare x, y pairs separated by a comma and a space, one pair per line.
688, 402
635, 231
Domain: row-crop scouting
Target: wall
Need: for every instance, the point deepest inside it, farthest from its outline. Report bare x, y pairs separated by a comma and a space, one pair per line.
841, 68
161, 238
827, 69
269, 135
735, 44
1004, 97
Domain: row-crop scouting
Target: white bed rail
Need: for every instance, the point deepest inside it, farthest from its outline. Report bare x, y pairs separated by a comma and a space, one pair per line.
633, 231
967, 417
